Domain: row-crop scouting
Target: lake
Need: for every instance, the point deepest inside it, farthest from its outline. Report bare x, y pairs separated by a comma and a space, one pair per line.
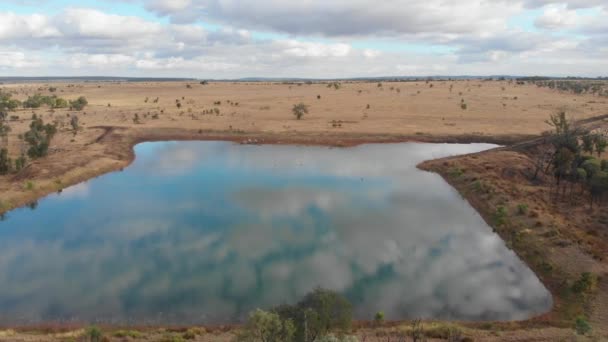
203, 232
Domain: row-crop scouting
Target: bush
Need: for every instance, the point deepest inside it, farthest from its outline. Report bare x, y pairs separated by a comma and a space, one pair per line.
522, 209
5, 162
379, 317
79, 103
93, 334
39, 138
500, 216
582, 326
267, 327
585, 284
321, 311
299, 110
20, 163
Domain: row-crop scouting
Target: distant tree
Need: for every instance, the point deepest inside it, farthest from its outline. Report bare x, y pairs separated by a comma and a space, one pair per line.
299, 110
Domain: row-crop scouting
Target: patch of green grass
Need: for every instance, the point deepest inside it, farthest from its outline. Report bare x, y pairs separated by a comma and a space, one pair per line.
455, 172
522, 209
29, 185
500, 216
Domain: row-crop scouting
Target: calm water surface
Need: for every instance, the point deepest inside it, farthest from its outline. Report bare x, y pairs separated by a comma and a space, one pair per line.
203, 232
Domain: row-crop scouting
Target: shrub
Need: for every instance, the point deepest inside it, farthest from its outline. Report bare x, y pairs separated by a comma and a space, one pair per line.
379, 317
79, 103
522, 209
585, 284
455, 172
5, 162
500, 216
39, 138
299, 110
29, 185
582, 326
267, 327
94, 334
20, 163
319, 312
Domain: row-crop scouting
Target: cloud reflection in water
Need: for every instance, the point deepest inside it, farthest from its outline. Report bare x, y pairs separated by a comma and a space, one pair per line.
206, 231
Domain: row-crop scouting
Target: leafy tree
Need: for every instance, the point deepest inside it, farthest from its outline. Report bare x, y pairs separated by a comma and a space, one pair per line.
20, 163
299, 110
588, 143
7, 103
5, 162
317, 314
39, 138
267, 327
600, 142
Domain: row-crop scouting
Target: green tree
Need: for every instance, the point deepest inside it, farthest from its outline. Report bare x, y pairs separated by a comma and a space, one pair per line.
39, 138
600, 142
5, 162
7, 103
588, 143
266, 326
317, 314
299, 110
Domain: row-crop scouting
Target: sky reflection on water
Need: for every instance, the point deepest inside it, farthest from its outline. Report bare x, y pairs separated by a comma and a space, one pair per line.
205, 231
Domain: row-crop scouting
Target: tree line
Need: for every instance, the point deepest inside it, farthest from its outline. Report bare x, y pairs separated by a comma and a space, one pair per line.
573, 159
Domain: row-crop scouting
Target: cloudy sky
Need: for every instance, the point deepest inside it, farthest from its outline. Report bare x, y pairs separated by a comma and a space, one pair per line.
305, 38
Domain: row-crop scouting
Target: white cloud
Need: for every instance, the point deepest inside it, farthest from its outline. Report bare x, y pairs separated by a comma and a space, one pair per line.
26, 26
313, 38
556, 17
347, 17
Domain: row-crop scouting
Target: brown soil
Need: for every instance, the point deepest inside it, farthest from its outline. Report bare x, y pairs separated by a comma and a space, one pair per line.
557, 247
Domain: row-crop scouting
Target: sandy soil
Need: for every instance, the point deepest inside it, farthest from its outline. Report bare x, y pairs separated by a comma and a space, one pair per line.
496, 112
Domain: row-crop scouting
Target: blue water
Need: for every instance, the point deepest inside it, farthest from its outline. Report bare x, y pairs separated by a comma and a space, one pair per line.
203, 232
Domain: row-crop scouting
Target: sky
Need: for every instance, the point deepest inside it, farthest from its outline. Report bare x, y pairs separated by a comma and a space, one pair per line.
220, 39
